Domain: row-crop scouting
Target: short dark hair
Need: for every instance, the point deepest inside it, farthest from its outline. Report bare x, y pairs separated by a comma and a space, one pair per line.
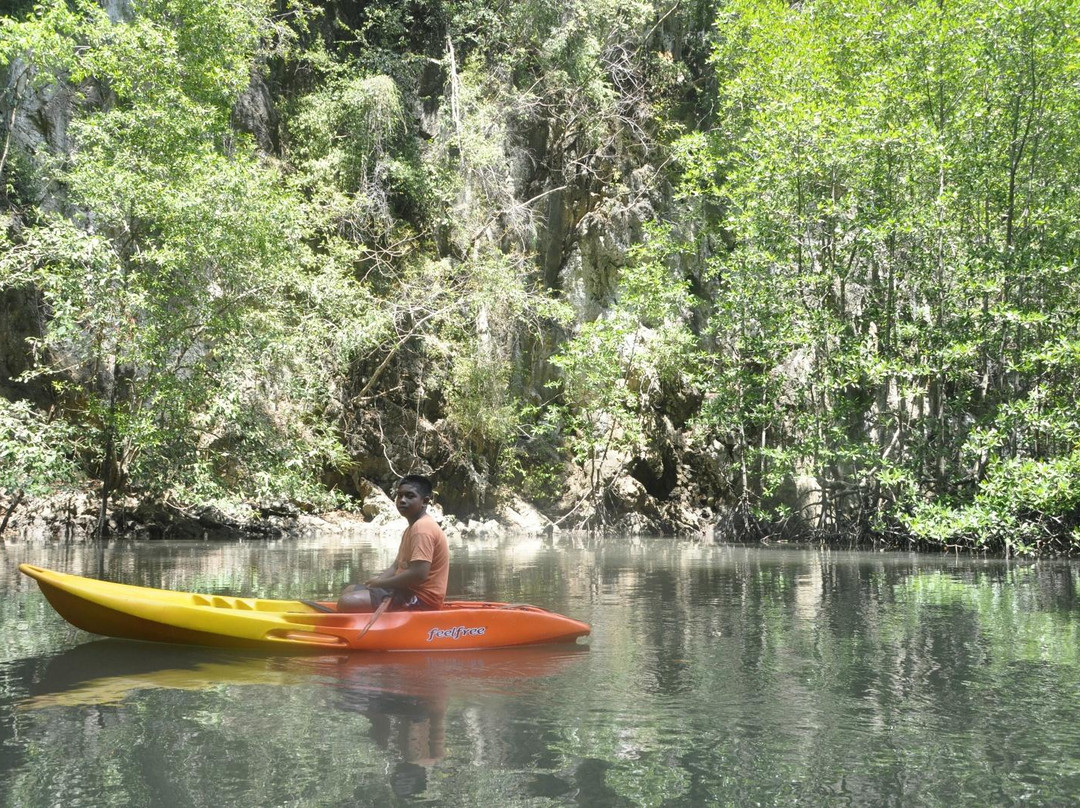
419, 482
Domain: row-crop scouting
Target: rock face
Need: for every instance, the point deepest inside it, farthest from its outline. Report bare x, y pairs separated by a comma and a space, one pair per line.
19, 322
255, 113
35, 126
75, 516
580, 234
517, 514
40, 121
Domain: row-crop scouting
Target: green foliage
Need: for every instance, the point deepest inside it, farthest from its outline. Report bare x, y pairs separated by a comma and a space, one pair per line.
483, 395
479, 316
176, 306
896, 181
446, 228
342, 131
41, 42
35, 452
875, 209
616, 366
1023, 506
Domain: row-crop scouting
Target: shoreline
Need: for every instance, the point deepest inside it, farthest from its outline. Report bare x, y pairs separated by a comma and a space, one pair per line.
73, 516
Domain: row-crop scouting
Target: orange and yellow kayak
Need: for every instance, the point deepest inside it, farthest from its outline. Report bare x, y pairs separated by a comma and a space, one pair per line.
160, 615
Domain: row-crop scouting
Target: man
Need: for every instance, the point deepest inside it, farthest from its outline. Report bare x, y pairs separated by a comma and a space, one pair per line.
417, 580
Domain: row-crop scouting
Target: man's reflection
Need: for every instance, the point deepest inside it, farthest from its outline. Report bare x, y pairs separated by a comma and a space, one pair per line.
407, 711
413, 725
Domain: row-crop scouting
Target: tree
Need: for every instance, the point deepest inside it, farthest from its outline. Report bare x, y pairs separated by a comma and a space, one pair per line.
616, 368
896, 181
181, 305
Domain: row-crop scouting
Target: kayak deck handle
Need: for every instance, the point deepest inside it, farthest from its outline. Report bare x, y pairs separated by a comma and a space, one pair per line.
308, 637
221, 602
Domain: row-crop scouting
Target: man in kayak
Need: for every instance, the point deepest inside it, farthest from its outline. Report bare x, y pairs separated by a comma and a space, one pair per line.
417, 579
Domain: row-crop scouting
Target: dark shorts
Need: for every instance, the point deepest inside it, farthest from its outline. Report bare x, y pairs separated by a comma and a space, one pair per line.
402, 601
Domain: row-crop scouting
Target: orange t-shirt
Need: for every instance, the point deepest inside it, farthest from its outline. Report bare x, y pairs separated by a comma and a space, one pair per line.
424, 540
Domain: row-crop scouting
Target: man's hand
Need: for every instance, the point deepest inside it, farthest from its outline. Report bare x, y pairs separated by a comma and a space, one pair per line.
416, 572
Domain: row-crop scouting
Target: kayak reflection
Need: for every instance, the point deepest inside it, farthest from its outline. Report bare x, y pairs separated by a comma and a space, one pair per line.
109, 671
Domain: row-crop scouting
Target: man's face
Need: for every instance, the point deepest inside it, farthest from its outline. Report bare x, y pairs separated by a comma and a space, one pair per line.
410, 502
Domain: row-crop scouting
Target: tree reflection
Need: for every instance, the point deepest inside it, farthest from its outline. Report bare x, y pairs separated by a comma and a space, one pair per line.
715, 675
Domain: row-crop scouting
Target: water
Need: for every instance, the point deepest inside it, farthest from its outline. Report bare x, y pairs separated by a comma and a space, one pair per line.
715, 676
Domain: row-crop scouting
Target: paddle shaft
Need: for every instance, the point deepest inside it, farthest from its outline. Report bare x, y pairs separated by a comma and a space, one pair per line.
375, 615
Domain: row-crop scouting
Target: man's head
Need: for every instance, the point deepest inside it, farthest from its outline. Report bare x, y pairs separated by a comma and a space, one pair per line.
422, 484
413, 496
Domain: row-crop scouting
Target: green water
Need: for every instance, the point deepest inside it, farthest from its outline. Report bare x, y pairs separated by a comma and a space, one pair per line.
715, 676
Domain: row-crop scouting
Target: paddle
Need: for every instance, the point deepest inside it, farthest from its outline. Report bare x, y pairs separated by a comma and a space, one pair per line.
375, 616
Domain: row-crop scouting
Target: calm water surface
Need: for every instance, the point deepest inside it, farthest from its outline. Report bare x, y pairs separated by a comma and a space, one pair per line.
715, 676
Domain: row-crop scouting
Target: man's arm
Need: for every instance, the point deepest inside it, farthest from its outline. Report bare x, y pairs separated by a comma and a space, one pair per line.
416, 572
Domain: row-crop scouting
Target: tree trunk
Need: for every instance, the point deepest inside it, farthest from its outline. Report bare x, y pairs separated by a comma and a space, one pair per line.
11, 509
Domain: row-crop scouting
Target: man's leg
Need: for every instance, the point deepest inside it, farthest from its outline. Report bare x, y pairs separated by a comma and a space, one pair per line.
360, 598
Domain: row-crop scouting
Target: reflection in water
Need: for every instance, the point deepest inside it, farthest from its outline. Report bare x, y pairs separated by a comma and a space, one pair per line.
407, 716
715, 676
107, 671
404, 696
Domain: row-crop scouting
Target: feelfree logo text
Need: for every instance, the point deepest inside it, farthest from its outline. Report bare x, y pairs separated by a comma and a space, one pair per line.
455, 633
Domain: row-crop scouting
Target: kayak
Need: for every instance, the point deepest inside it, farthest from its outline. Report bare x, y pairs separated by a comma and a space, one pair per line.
160, 615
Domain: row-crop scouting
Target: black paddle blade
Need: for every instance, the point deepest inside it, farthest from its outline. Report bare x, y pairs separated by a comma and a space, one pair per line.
318, 606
